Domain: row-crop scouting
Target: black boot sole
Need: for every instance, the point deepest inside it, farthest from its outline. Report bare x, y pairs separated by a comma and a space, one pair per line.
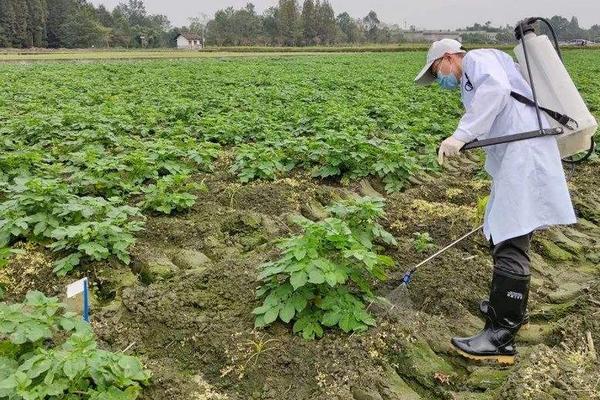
500, 359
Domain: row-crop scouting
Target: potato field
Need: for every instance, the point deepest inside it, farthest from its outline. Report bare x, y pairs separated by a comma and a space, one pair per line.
240, 220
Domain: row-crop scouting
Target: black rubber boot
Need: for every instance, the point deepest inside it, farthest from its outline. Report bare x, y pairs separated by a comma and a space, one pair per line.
504, 316
483, 309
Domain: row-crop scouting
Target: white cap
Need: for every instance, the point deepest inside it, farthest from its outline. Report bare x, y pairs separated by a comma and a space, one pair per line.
437, 50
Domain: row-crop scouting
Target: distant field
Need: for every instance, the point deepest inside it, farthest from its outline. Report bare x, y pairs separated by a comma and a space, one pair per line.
91, 55
11, 55
16, 55
26, 55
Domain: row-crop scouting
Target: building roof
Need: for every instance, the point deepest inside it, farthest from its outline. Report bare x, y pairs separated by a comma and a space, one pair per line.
190, 36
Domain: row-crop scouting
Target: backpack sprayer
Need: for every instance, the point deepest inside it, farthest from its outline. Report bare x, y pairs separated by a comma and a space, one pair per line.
573, 124
541, 63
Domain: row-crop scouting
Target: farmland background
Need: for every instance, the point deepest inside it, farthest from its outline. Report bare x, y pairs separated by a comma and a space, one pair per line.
214, 158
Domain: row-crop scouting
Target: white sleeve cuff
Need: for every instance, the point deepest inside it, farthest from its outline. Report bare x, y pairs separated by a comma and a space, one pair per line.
463, 136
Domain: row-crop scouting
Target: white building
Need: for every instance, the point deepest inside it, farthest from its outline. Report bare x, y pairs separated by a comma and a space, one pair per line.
189, 41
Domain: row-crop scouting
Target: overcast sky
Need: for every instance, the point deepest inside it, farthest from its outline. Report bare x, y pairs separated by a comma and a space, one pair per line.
432, 14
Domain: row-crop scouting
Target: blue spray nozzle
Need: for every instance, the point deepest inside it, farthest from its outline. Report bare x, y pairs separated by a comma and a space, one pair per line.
407, 278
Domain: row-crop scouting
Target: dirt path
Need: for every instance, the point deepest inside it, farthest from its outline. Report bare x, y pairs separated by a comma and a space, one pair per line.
184, 305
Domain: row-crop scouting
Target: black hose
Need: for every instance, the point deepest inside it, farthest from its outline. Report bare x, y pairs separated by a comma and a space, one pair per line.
554, 37
537, 107
572, 160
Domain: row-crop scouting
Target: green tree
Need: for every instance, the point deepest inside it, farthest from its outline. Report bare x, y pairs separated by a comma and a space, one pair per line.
4, 22
81, 29
155, 30
121, 34
23, 23
326, 26
134, 11
560, 25
371, 23
288, 22
384, 35
7, 21
349, 27
573, 29
36, 22
220, 29
104, 16
269, 25
196, 26
16, 20
594, 33
246, 25
58, 12
309, 22
143, 29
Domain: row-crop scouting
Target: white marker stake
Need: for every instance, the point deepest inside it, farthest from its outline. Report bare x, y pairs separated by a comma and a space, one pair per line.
77, 288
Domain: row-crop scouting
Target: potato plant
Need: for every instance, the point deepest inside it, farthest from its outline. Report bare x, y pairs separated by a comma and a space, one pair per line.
46, 353
323, 277
171, 193
47, 212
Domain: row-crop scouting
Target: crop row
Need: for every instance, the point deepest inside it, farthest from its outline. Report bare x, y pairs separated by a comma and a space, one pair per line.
85, 149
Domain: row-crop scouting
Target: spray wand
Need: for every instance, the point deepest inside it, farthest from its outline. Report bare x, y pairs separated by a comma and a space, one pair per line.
409, 274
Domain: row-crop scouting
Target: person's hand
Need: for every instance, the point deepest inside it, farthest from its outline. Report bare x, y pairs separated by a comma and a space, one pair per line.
449, 148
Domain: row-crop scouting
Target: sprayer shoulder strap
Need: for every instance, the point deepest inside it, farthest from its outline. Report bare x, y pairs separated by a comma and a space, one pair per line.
562, 119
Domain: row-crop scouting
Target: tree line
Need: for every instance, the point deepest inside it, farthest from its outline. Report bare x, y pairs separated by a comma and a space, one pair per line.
565, 29
79, 24
569, 29
289, 24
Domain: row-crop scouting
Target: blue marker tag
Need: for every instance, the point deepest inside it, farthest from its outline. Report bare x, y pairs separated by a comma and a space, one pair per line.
86, 301
80, 288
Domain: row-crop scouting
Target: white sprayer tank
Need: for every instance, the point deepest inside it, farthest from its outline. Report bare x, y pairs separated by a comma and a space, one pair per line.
556, 91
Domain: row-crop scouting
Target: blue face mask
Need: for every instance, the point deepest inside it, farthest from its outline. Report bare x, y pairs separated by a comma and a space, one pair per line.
447, 81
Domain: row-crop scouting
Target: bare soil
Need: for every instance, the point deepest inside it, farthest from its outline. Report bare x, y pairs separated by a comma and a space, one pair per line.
184, 304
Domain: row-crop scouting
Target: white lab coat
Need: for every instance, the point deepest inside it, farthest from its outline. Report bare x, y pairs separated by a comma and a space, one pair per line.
529, 189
